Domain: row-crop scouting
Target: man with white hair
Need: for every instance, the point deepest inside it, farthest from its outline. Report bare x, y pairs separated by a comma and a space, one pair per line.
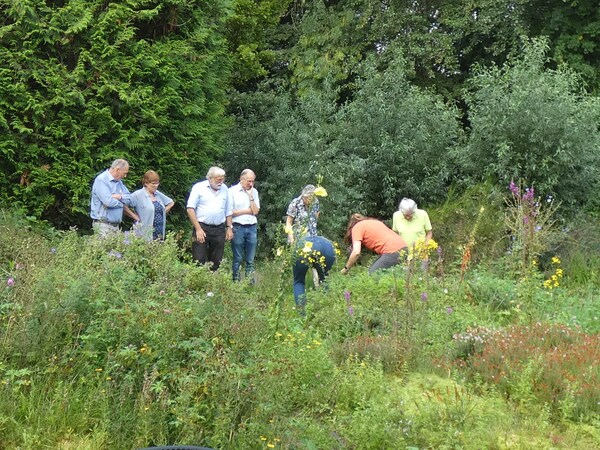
411, 223
210, 213
110, 199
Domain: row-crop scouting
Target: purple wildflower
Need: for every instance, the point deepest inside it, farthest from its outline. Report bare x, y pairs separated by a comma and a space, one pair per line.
424, 296
347, 295
449, 310
10, 282
513, 188
53, 250
351, 310
529, 192
439, 251
115, 254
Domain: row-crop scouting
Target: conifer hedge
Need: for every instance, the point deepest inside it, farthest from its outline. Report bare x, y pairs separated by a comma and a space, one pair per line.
83, 82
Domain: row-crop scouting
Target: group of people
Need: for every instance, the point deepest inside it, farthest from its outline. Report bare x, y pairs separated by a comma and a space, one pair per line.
147, 207
219, 214
409, 224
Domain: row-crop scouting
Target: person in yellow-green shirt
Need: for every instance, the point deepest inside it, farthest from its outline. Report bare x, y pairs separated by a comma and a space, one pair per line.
411, 223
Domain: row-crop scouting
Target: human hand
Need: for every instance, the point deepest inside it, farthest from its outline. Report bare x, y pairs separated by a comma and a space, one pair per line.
200, 235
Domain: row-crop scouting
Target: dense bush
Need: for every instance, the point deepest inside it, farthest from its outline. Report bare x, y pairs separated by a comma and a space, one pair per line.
533, 124
85, 82
399, 139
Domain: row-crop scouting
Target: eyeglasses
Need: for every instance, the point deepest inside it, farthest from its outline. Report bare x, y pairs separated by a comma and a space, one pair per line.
155, 183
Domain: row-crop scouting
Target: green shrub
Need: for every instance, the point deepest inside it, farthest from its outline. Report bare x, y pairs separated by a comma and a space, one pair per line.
540, 364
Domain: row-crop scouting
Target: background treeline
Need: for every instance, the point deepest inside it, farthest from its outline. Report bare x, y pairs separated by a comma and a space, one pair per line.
380, 100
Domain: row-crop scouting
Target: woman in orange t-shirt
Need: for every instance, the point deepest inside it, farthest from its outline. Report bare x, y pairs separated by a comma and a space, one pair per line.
376, 236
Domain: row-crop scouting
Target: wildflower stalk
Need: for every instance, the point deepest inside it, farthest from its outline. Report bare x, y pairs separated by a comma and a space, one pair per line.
467, 252
529, 223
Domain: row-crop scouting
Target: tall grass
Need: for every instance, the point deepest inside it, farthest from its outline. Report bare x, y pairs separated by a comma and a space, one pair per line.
120, 343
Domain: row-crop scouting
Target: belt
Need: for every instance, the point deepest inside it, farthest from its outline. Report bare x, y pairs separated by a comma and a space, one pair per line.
244, 224
114, 224
222, 225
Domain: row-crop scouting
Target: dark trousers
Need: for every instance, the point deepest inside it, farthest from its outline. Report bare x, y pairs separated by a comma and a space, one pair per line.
388, 260
211, 250
326, 251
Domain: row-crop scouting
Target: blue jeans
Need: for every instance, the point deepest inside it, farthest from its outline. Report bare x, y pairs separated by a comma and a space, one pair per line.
243, 243
301, 266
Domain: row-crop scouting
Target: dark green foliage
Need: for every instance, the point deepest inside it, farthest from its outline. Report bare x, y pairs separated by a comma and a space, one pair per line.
85, 82
572, 27
287, 143
399, 137
534, 125
392, 140
249, 30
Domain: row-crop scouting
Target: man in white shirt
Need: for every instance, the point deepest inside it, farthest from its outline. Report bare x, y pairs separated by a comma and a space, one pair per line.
243, 198
208, 210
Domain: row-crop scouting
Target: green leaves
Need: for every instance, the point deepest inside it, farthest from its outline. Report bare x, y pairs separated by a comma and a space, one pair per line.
534, 124
87, 82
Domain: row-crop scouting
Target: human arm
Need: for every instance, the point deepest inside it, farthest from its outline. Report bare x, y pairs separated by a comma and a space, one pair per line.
354, 255
167, 202
200, 234
289, 230
428, 236
254, 203
428, 229
254, 207
101, 190
229, 223
129, 212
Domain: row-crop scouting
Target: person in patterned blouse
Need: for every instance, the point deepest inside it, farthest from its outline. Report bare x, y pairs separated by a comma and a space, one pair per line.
302, 215
152, 206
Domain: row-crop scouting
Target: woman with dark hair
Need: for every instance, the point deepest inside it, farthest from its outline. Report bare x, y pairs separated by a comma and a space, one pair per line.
152, 206
375, 236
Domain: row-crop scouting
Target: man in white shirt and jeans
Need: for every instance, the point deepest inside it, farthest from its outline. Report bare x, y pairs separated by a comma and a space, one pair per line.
243, 198
208, 210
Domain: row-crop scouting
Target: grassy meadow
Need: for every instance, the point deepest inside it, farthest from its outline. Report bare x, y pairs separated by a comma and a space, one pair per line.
119, 344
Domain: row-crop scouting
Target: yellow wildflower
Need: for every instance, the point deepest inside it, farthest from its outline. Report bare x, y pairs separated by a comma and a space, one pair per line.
320, 191
555, 260
307, 246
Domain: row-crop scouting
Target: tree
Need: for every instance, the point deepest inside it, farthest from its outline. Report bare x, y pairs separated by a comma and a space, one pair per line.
536, 125
572, 28
84, 82
401, 137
